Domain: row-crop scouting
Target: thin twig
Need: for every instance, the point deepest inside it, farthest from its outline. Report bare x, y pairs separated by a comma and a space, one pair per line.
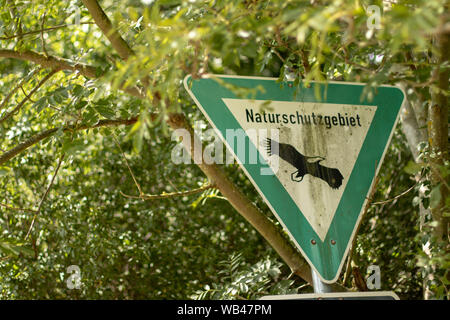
126, 161
27, 97
78, 118
42, 35
171, 183
17, 209
11, 153
19, 85
278, 55
26, 94
397, 196
45, 195
42, 30
169, 195
5, 258
401, 194
347, 60
413, 84
63, 64
305, 61
103, 22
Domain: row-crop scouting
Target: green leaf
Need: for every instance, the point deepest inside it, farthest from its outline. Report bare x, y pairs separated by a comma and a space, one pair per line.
8, 249
26, 251
412, 167
78, 90
14, 248
138, 140
105, 111
90, 117
274, 272
40, 104
80, 104
106, 132
4, 171
72, 147
435, 197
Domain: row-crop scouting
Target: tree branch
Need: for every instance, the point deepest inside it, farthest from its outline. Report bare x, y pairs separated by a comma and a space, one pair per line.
117, 42
169, 195
305, 61
399, 195
129, 168
16, 209
42, 35
410, 127
41, 30
47, 133
27, 96
108, 30
14, 90
63, 64
50, 62
438, 129
44, 196
26, 144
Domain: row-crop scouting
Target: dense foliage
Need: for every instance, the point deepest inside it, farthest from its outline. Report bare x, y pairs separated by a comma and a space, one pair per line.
64, 197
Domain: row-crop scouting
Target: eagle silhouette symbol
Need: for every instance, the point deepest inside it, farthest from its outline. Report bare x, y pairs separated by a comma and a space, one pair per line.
288, 153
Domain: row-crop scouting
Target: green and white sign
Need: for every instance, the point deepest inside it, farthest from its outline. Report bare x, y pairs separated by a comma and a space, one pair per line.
313, 160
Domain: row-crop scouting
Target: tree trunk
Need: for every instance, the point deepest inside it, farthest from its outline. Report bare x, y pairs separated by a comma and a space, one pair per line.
438, 133
438, 141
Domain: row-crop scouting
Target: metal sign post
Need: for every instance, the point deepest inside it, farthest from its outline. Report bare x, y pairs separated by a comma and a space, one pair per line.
319, 286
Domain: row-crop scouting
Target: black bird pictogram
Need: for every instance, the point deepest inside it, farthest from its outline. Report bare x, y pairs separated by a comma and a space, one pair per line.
288, 153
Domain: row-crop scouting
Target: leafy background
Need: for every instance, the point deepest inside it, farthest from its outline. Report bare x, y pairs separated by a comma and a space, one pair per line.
195, 246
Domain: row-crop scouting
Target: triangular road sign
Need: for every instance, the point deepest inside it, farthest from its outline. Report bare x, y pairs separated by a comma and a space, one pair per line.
313, 160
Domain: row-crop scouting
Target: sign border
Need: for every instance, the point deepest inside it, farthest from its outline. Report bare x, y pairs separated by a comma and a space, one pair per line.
257, 187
